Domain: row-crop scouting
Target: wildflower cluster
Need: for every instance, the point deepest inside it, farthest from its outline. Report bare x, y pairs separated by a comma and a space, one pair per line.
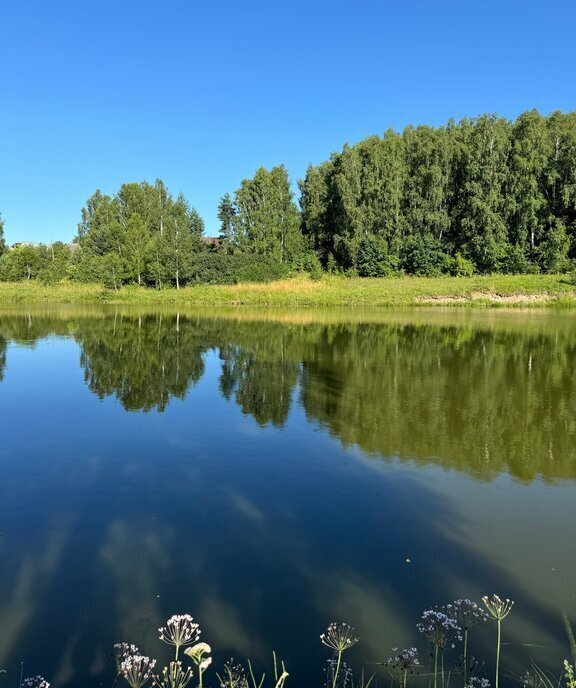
498, 609
439, 628
466, 613
121, 652
339, 637
339, 676
403, 662
137, 669
197, 655
234, 676
180, 630
530, 679
569, 673
35, 682
477, 682
405, 659
173, 676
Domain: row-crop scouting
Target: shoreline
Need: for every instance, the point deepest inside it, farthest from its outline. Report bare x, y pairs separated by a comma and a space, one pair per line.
493, 291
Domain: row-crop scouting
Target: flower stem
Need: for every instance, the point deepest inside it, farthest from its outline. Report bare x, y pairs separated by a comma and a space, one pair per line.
435, 664
337, 668
498, 656
465, 669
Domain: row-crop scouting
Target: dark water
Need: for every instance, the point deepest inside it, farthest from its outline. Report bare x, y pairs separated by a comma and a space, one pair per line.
271, 472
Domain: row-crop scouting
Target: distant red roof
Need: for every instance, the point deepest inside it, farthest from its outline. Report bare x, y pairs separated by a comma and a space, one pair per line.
213, 241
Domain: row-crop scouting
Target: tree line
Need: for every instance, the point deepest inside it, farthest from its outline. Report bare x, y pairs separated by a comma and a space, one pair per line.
485, 195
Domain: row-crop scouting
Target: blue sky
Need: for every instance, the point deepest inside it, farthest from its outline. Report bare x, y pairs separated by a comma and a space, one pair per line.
200, 94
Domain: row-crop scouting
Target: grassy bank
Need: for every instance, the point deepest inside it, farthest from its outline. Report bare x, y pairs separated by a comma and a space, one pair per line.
482, 290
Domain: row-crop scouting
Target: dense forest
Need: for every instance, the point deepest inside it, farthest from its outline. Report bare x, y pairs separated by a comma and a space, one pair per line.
483, 195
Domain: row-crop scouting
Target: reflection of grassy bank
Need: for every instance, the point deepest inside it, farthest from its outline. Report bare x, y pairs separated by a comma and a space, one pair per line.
482, 290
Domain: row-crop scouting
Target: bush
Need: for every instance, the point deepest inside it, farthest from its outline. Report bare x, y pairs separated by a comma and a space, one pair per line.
516, 263
309, 262
458, 266
261, 271
87, 268
108, 269
374, 258
22, 263
223, 268
553, 251
423, 255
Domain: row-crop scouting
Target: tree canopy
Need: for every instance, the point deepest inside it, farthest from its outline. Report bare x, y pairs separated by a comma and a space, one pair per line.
483, 195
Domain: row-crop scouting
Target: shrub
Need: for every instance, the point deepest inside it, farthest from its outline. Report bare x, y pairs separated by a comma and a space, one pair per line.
223, 268
423, 255
374, 258
22, 263
458, 266
553, 252
309, 262
516, 262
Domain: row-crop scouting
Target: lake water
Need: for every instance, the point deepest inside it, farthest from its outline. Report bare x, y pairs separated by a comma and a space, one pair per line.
269, 472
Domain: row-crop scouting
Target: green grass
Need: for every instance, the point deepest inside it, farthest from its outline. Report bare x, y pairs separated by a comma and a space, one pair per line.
482, 290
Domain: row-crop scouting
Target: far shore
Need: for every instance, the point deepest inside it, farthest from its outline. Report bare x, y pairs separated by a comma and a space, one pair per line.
511, 291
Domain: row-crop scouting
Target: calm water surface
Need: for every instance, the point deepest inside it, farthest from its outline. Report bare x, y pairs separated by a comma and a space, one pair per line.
271, 472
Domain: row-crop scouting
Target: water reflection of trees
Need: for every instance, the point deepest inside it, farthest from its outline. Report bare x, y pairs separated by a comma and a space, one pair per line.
3, 347
262, 388
471, 399
474, 398
143, 361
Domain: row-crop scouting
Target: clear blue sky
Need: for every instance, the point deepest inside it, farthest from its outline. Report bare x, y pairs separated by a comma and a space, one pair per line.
200, 94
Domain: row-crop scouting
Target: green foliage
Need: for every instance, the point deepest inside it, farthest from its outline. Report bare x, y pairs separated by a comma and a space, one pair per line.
458, 266
265, 270
516, 262
176, 247
308, 261
49, 264
114, 269
140, 235
2, 240
266, 220
87, 268
224, 268
226, 214
56, 263
484, 195
499, 194
422, 255
135, 247
555, 247
375, 259
22, 263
